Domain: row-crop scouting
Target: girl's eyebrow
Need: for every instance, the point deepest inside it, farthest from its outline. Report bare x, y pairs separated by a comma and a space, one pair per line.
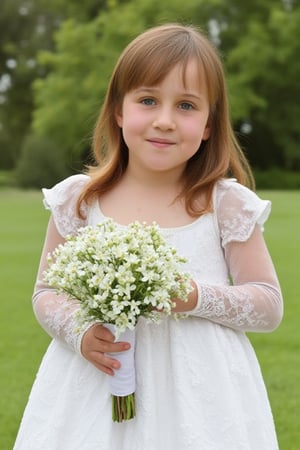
185, 94
146, 89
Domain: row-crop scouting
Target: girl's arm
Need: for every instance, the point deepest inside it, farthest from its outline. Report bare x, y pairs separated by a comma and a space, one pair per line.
56, 314
254, 301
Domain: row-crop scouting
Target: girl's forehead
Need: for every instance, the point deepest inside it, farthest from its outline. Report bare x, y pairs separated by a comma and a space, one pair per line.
189, 75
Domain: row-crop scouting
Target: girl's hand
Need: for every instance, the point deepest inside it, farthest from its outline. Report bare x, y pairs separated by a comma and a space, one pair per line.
181, 306
97, 341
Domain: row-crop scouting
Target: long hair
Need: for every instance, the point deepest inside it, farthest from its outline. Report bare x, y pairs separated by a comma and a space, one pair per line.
146, 61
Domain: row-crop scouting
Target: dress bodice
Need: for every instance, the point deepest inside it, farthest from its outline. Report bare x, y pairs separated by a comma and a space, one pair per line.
236, 210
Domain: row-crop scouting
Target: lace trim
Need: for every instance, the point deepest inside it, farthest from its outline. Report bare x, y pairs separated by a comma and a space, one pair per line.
58, 317
231, 306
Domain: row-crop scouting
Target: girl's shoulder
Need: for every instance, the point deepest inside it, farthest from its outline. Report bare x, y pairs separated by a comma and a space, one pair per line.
62, 199
238, 209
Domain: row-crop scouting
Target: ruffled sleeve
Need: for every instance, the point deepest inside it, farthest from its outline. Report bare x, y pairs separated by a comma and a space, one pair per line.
238, 210
61, 200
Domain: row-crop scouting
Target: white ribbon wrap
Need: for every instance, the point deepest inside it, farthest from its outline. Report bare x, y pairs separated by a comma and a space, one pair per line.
122, 383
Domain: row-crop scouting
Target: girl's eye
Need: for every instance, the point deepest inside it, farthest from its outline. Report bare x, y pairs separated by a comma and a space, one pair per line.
186, 106
148, 101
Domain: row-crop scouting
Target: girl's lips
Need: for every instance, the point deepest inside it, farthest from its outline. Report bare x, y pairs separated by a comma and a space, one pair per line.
160, 142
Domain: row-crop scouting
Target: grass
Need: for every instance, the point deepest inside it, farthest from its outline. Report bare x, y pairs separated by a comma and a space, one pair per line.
279, 352
23, 342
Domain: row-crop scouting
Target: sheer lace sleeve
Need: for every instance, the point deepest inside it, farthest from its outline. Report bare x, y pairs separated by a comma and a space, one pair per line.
253, 302
238, 211
56, 313
62, 201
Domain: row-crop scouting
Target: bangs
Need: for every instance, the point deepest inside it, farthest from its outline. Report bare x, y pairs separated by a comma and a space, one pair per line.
149, 59
155, 66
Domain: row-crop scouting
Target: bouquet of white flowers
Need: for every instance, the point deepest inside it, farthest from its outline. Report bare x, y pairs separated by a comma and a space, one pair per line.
118, 274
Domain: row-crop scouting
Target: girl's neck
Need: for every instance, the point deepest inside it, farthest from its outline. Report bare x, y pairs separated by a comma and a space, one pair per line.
154, 181
149, 198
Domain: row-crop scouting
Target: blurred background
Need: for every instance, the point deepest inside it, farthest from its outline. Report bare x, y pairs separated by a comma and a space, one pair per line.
56, 58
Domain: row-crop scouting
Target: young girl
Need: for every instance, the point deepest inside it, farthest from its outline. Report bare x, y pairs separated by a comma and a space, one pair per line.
165, 152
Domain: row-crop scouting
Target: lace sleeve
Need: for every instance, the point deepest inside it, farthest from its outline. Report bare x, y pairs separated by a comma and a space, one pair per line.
238, 211
56, 313
254, 301
62, 201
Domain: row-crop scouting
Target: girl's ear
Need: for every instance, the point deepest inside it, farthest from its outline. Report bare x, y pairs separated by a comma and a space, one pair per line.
119, 116
206, 133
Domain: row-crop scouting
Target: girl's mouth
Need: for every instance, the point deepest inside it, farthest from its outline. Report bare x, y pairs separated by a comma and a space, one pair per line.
161, 142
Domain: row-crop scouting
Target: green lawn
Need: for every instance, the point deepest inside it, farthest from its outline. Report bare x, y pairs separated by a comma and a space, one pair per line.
23, 342
279, 352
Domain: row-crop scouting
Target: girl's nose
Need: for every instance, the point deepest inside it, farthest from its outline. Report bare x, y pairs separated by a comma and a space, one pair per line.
164, 119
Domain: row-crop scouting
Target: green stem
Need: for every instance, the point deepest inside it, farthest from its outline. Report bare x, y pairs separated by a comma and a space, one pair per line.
123, 408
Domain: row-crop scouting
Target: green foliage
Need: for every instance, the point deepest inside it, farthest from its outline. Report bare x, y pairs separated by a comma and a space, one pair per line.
7, 178
26, 27
67, 50
8, 152
276, 178
68, 99
86, 52
264, 73
41, 164
83, 11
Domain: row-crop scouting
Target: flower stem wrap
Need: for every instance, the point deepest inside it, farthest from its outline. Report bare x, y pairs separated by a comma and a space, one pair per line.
122, 384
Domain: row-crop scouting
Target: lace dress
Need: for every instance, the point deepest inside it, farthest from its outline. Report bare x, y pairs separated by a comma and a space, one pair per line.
199, 385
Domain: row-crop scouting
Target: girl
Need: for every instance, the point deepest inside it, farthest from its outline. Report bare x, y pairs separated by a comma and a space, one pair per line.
165, 152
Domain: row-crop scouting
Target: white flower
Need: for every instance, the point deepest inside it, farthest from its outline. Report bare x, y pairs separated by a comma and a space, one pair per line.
119, 274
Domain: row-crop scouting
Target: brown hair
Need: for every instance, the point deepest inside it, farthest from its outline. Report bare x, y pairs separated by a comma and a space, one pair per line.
146, 61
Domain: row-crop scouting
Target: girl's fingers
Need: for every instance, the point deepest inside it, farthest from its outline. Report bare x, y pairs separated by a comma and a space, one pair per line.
97, 342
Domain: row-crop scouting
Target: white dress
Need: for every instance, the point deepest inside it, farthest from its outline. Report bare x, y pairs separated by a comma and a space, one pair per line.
199, 385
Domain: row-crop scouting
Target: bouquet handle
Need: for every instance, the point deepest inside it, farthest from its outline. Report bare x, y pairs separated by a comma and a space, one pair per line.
122, 384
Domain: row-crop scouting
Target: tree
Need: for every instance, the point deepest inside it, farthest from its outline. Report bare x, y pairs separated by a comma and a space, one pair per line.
258, 40
16, 68
264, 79
26, 27
40, 164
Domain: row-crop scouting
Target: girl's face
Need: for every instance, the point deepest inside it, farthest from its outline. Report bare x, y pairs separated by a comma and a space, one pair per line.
164, 125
